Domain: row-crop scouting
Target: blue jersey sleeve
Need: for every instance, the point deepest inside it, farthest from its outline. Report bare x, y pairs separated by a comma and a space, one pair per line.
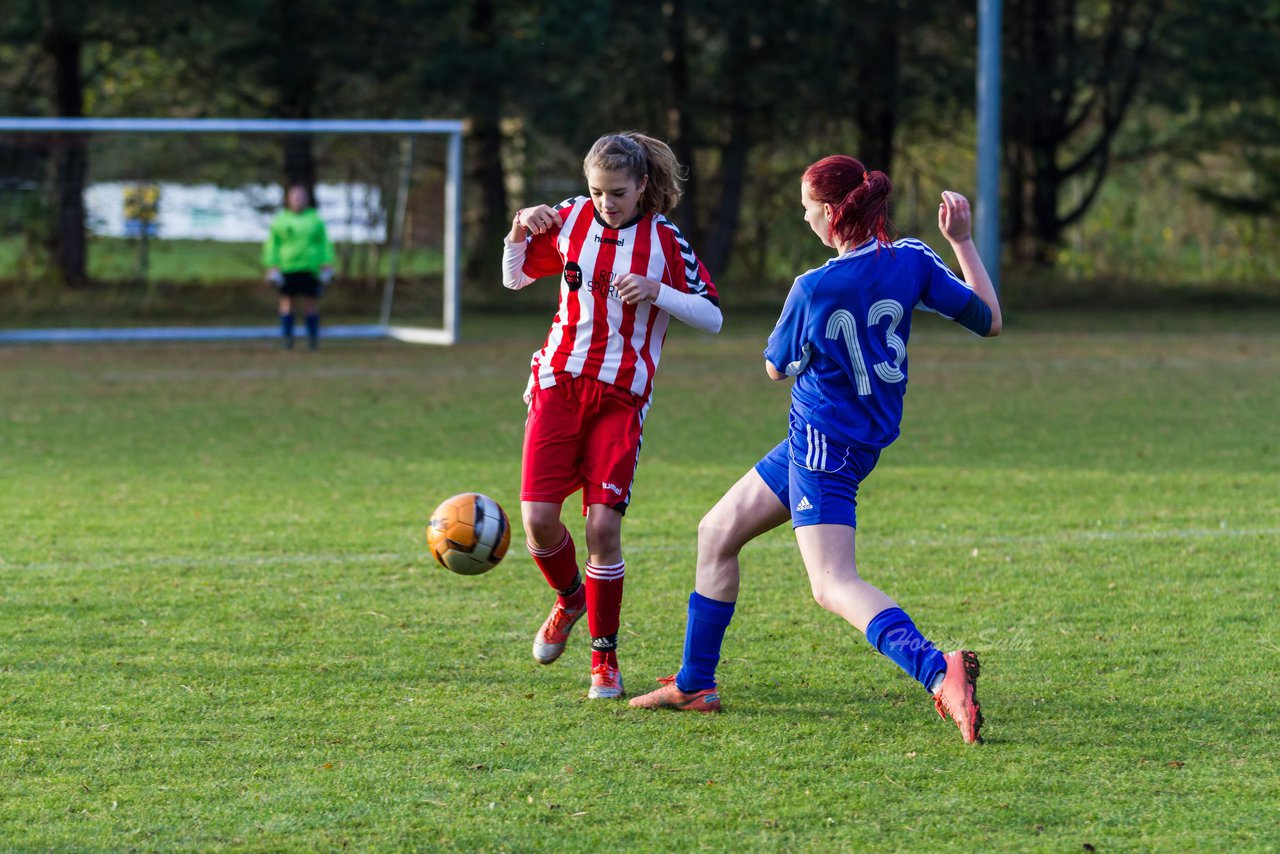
788, 347
944, 291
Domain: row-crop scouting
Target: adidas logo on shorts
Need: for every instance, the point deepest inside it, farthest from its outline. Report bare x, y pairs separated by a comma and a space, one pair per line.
804, 504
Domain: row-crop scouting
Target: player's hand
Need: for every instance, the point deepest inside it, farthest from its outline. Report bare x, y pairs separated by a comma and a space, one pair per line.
539, 219
634, 289
954, 219
326, 274
274, 277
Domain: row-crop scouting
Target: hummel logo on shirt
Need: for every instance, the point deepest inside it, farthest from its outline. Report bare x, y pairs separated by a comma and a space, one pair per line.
804, 504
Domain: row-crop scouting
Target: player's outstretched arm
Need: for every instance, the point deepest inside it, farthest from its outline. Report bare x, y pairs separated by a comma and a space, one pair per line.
956, 224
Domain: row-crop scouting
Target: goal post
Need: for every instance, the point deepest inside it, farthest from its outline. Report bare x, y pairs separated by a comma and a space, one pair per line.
42, 135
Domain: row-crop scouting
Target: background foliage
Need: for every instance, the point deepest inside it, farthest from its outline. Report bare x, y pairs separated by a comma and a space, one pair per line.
1141, 136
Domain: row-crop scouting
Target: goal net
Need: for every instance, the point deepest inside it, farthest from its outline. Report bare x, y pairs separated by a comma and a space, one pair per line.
152, 229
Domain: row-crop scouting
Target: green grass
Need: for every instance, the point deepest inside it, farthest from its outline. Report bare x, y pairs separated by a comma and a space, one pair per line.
219, 629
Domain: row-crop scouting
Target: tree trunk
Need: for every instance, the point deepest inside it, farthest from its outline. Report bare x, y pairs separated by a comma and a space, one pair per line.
487, 171
1046, 224
745, 47
1069, 88
679, 114
733, 172
71, 164
875, 109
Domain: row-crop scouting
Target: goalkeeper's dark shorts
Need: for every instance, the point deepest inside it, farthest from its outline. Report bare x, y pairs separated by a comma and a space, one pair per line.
300, 285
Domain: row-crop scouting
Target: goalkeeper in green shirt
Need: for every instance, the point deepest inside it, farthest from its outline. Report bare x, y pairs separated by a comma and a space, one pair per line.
299, 261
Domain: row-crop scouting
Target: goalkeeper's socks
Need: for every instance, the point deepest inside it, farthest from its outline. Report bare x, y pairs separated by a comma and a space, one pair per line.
703, 635
286, 328
894, 634
313, 330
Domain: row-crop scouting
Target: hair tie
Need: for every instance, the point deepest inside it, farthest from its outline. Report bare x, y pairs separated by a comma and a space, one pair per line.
866, 176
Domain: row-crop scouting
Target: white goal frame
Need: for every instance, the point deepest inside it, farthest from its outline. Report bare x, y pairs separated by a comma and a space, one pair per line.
446, 334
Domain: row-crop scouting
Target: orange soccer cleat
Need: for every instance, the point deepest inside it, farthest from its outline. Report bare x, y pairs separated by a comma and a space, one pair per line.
671, 697
958, 695
549, 642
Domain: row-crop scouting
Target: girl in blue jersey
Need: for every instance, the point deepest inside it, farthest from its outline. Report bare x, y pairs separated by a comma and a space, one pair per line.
843, 336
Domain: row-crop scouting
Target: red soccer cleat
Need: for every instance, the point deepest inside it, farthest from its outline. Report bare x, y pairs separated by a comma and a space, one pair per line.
958, 697
549, 642
671, 697
606, 683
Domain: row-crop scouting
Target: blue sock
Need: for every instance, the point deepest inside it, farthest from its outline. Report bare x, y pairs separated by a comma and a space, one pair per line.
313, 327
286, 325
703, 635
894, 635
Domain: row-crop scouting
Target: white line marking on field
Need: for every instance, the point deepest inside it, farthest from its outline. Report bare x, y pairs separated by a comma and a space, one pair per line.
188, 374
1085, 536
312, 559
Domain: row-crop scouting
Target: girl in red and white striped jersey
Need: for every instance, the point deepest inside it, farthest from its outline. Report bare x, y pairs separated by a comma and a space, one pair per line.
624, 270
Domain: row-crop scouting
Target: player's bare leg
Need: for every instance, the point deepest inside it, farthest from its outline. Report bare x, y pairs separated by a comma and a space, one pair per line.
604, 534
828, 552
747, 510
553, 551
542, 525
606, 572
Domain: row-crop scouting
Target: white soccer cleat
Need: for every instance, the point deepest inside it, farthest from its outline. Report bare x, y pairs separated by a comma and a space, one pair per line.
606, 683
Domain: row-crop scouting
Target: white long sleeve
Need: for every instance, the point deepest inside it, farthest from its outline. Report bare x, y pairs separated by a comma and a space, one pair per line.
513, 277
696, 311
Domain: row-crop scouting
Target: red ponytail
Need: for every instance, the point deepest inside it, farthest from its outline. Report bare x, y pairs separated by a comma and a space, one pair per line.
859, 198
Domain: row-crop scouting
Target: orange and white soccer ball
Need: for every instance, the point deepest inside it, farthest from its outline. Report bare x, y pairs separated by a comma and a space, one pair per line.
469, 533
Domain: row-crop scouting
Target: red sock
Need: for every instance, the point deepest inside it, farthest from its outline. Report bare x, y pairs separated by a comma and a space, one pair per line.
559, 565
604, 607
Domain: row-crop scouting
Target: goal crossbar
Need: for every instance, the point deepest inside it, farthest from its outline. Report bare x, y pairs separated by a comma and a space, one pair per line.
452, 128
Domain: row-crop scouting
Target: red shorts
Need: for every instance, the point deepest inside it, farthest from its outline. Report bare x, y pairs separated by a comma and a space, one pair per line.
582, 434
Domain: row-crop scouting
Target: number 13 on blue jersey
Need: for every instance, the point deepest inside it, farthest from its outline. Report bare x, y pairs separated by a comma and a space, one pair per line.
842, 323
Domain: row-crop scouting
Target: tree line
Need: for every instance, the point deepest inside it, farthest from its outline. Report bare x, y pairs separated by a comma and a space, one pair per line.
736, 86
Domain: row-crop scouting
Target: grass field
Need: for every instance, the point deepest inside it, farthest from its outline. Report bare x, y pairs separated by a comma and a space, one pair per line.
219, 629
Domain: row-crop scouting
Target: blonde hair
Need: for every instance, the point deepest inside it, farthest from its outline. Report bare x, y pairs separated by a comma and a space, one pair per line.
641, 156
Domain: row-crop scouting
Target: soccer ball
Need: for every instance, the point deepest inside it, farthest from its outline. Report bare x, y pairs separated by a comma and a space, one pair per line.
469, 533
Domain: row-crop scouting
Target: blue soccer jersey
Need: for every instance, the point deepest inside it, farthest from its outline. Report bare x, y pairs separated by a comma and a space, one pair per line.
843, 335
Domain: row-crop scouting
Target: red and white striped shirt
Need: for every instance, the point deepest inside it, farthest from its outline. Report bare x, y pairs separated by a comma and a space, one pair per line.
594, 333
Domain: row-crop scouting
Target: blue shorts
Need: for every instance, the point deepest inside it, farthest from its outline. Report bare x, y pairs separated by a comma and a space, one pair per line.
816, 477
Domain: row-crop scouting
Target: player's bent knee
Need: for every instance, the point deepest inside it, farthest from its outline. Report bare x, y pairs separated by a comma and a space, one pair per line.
822, 595
543, 531
717, 536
